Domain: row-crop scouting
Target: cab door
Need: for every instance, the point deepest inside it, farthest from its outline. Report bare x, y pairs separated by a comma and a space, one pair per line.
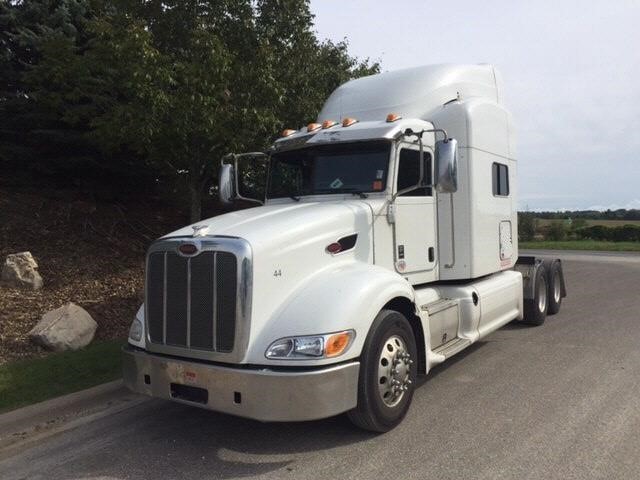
415, 217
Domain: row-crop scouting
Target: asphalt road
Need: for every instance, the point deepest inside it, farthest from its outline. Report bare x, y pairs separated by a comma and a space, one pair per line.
557, 401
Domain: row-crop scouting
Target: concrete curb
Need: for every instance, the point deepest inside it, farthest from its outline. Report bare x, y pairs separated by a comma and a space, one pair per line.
50, 406
29, 425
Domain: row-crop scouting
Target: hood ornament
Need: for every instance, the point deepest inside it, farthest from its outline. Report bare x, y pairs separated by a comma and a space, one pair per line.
200, 230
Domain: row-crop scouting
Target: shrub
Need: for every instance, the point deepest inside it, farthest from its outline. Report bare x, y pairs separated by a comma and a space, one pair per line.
625, 233
557, 231
526, 227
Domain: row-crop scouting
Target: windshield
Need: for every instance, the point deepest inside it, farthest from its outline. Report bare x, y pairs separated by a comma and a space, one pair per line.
339, 168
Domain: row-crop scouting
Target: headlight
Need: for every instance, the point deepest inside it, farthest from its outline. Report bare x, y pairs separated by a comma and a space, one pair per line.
135, 332
311, 347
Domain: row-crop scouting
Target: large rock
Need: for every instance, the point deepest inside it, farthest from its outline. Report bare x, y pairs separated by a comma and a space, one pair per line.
69, 327
20, 271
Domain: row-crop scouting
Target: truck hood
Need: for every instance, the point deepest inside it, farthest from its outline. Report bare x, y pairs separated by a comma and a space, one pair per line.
280, 225
288, 252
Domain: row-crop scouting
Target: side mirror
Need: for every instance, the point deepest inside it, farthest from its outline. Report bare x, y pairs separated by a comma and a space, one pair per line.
446, 153
226, 184
241, 180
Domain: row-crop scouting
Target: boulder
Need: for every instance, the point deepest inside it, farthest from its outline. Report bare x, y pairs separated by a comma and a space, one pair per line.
69, 327
20, 271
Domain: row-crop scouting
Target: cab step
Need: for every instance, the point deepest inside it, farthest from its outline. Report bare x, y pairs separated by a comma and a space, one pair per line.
454, 346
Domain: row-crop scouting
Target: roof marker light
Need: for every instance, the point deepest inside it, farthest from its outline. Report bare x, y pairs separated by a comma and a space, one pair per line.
288, 132
329, 123
393, 117
348, 121
312, 127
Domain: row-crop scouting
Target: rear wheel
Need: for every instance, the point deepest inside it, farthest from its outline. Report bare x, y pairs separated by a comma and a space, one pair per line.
555, 289
535, 309
387, 374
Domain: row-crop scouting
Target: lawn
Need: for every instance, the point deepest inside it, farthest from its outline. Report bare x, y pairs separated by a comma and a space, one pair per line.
582, 245
24, 382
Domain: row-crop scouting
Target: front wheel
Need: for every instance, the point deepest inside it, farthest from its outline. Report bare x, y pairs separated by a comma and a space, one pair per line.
387, 374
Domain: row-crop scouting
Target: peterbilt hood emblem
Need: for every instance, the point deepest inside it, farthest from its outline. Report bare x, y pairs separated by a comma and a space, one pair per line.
200, 230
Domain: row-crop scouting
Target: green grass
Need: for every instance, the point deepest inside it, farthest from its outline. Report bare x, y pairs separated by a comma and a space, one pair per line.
582, 245
30, 381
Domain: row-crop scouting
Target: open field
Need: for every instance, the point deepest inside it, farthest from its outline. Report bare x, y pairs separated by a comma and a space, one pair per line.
594, 245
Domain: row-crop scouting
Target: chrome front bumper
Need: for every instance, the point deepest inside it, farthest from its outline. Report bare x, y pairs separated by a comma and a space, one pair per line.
258, 393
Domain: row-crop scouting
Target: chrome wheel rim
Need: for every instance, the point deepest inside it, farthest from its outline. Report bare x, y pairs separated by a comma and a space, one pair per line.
394, 371
542, 294
556, 288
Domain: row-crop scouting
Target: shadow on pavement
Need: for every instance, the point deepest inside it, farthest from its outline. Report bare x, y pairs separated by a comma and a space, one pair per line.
179, 440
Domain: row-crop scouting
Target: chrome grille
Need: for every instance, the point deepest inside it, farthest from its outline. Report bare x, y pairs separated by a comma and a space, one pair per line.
192, 301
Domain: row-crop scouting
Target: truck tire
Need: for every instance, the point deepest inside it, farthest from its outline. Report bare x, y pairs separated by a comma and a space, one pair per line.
387, 373
535, 309
555, 289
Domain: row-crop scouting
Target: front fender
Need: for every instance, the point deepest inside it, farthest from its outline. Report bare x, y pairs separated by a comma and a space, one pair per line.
342, 298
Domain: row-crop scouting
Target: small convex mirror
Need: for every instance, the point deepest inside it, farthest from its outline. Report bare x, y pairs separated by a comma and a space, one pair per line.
226, 184
446, 153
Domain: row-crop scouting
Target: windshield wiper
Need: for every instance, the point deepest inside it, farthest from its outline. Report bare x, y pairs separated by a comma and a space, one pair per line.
352, 191
360, 193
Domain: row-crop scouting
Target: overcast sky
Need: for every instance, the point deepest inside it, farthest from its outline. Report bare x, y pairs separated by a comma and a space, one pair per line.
571, 71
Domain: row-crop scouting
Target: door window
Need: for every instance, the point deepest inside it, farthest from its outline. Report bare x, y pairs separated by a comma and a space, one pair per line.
409, 173
500, 175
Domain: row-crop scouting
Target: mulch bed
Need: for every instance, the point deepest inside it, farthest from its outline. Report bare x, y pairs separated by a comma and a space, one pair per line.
88, 253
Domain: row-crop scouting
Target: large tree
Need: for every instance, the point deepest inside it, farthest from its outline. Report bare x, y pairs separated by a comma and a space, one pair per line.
180, 83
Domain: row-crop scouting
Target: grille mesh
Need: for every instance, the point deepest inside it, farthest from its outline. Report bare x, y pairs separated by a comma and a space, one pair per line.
191, 301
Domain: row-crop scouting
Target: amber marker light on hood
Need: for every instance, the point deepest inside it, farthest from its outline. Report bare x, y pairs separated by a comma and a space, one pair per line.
392, 117
337, 343
312, 127
288, 132
329, 123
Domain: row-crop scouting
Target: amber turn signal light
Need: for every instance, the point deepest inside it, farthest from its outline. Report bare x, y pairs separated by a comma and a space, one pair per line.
337, 344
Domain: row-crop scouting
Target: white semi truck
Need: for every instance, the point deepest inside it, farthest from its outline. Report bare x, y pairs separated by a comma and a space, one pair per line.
386, 243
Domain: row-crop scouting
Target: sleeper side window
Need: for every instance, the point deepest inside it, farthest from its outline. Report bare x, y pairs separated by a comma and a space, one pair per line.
500, 174
409, 173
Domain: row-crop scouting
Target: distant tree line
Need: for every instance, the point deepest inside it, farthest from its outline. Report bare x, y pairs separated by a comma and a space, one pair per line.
531, 228
122, 95
619, 214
